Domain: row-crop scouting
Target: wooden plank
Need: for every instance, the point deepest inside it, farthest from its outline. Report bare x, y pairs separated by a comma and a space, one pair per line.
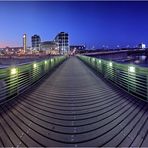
74, 107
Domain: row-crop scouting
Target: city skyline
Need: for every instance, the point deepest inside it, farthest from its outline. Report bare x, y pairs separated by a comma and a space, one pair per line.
90, 23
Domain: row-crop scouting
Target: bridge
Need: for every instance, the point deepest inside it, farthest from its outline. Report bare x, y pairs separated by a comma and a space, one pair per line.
76, 104
117, 54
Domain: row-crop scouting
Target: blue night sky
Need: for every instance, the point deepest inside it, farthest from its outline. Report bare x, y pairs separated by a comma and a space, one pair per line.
91, 23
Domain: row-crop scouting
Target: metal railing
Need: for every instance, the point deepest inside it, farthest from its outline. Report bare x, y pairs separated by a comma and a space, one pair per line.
15, 79
132, 78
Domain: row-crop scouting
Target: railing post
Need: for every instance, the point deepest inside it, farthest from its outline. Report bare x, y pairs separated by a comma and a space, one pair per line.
128, 80
147, 86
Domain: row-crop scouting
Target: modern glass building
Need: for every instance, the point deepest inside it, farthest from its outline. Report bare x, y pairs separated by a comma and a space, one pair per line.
36, 41
50, 47
63, 43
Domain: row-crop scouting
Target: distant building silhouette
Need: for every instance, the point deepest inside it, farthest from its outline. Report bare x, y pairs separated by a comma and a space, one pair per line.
141, 46
77, 47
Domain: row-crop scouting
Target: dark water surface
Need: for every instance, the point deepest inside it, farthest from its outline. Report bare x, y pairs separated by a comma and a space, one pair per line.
137, 60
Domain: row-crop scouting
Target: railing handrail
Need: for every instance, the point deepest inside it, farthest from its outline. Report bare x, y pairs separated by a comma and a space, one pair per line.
122, 64
17, 78
130, 77
25, 63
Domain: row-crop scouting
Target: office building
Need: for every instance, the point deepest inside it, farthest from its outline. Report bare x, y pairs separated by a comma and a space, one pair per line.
63, 44
50, 47
36, 41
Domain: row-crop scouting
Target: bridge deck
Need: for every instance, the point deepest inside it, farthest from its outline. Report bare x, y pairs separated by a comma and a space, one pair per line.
74, 107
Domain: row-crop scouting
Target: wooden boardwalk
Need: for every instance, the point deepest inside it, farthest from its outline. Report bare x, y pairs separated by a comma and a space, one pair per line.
74, 107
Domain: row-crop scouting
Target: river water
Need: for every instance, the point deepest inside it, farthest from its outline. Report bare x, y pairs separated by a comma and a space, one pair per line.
137, 60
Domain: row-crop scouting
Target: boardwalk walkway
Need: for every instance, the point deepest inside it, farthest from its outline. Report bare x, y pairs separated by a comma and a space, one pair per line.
74, 107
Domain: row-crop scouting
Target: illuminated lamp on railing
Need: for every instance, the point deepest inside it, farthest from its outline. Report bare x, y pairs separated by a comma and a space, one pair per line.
131, 69
99, 61
110, 64
93, 59
45, 62
13, 71
51, 60
34, 65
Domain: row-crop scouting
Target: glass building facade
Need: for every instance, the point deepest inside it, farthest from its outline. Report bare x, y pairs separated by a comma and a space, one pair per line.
36, 41
63, 43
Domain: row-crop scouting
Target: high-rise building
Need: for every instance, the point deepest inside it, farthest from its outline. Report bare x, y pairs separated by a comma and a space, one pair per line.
24, 43
63, 44
36, 41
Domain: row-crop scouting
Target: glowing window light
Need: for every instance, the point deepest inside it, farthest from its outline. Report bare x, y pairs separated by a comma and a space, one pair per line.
45, 62
13, 71
99, 61
110, 64
131, 69
34, 65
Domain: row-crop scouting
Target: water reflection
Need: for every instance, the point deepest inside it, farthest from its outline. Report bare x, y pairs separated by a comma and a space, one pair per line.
138, 60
